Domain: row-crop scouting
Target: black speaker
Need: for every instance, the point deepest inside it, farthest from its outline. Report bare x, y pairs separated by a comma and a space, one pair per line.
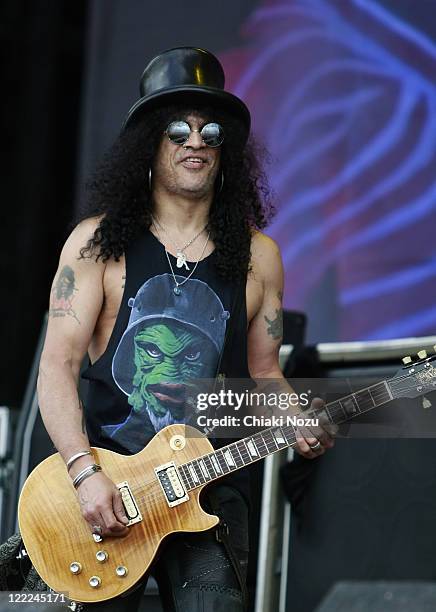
364, 511
380, 597
294, 328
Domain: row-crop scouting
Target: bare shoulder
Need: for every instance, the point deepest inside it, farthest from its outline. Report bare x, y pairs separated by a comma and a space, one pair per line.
265, 255
79, 238
76, 297
78, 278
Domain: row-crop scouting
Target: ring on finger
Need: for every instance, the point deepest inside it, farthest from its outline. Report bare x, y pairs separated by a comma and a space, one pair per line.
315, 446
97, 529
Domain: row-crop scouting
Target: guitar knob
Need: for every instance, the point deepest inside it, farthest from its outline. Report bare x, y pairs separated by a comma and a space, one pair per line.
95, 582
75, 567
97, 538
422, 354
407, 359
121, 571
101, 556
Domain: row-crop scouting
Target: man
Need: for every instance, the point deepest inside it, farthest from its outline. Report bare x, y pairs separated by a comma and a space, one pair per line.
166, 273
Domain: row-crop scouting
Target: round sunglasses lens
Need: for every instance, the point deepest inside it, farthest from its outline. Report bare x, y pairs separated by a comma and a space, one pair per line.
212, 134
178, 132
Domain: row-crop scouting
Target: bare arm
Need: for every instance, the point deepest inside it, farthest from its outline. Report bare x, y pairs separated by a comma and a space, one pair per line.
75, 303
265, 334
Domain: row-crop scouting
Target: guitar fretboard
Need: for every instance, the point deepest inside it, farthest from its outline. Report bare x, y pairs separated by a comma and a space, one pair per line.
238, 454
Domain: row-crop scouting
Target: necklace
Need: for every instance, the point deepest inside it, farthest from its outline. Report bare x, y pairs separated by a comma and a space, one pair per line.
177, 289
181, 256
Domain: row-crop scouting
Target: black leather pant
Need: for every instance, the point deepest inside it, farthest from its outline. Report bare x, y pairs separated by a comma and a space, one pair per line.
194, 571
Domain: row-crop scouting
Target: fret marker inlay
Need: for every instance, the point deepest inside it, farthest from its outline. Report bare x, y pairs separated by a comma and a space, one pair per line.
203, 469
215, 464
193, 473
277, 433
252, 448
229, 458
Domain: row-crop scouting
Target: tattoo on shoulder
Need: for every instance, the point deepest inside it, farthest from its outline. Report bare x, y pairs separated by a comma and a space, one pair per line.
275, 324
62, 294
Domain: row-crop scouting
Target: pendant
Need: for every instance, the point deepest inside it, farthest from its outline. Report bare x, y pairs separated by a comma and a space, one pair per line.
177, 290
181, 260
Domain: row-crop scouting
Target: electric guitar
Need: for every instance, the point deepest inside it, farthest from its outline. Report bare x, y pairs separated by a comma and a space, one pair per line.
160, 488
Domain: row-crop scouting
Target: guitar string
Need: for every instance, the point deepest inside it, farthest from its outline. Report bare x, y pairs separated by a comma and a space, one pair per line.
196, 486
161, 493
155, 480
158, 494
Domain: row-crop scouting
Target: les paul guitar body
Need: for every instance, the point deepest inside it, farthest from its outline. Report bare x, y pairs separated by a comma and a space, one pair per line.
56, 535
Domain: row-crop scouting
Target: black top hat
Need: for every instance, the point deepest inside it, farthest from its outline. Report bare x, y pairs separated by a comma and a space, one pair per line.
183, 73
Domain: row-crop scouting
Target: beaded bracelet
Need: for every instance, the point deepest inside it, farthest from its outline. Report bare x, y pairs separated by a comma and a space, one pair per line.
88, 471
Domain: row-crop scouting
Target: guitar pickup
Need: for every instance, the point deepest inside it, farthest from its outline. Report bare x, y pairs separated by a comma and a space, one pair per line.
129, 503
172, 486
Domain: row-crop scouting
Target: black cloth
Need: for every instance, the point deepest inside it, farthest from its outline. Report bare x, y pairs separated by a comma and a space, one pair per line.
160, 337
16, 571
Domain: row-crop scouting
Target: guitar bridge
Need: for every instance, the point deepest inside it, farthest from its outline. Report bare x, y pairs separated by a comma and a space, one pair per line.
172, 486
129, 503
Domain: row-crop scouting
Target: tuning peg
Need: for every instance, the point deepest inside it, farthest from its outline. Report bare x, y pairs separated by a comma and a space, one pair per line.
407, 359
422, 354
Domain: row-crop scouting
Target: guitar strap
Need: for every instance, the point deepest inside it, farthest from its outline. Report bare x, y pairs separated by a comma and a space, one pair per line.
222, 535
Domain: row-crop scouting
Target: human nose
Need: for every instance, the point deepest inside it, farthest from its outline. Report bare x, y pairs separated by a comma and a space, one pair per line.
195, 140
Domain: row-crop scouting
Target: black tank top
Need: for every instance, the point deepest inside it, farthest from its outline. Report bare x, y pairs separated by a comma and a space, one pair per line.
163, 335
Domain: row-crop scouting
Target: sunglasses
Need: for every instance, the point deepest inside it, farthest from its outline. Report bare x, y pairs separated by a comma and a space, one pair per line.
212, 134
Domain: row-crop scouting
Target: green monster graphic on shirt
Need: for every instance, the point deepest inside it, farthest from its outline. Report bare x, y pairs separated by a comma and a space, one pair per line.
165, 357
170, 340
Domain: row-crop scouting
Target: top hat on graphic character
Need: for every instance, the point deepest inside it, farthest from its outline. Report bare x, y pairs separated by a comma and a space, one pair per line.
186, 74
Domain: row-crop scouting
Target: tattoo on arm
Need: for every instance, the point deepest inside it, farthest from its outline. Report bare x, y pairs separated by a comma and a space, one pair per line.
275, 324
63, 294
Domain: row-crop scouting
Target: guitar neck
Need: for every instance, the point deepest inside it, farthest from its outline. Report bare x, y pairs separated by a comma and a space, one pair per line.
246, 451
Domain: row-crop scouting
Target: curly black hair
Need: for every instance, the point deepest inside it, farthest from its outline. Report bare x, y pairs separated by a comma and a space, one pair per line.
119, 191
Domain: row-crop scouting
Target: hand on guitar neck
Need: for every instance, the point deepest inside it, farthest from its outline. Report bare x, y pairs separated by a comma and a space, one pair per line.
100, 502
313, 441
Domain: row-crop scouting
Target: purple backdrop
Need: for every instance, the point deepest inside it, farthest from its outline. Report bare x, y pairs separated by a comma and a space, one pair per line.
342, 93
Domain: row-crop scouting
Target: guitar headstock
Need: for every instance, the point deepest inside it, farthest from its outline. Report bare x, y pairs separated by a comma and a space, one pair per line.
416, 377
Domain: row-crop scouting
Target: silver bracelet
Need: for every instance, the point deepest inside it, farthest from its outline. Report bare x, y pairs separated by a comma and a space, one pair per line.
72, 459
88, 471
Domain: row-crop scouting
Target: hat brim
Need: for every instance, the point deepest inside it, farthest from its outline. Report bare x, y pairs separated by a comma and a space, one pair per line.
210, 95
